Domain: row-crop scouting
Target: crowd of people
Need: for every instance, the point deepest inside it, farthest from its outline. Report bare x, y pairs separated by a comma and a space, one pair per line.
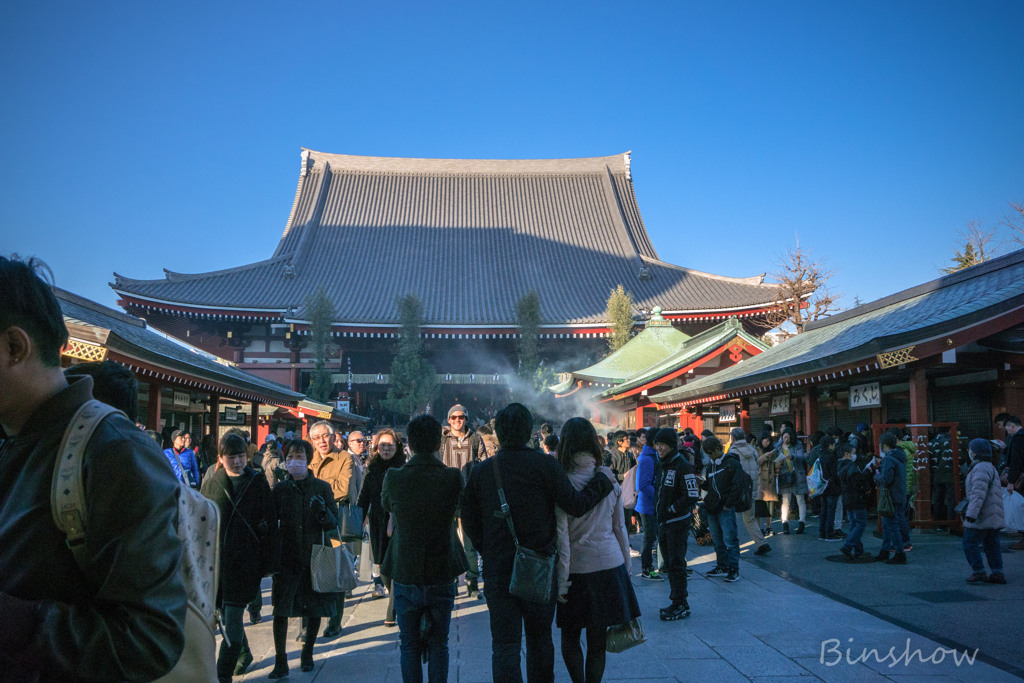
434, 504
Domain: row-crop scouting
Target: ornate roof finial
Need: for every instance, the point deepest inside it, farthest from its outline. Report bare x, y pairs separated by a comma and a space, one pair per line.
657, 319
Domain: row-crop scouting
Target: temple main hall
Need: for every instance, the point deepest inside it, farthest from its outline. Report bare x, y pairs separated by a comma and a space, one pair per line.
468, 237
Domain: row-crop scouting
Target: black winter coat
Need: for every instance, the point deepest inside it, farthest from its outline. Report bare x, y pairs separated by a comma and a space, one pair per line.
829, 470
677, 491
302, 524
856, 485
248, 531
369, 501
723, 484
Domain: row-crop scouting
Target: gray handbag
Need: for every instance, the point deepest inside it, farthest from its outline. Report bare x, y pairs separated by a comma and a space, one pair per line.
330, 568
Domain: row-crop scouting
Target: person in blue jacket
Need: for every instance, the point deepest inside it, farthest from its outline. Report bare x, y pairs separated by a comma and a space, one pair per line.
646, 504
183, 460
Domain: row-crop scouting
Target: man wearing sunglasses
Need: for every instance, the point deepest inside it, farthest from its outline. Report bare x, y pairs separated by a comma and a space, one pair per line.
461, 450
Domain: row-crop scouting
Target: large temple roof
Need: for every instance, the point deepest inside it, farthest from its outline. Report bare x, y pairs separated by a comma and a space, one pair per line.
469, 237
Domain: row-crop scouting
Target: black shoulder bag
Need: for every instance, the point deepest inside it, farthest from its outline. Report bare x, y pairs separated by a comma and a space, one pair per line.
533, 573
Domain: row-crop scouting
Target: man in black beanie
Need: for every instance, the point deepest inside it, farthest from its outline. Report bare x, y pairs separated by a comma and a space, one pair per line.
676, 498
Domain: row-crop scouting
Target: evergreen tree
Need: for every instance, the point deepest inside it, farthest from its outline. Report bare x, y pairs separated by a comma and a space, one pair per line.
528, 317
620, 317
413, 378
320, 312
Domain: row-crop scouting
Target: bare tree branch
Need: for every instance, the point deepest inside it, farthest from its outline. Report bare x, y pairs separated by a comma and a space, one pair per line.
1014, 220
976, 248
803, 292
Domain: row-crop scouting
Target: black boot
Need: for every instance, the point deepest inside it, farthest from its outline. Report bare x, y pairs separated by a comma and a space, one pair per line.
281, 660
800, 528
306, 658
471, 587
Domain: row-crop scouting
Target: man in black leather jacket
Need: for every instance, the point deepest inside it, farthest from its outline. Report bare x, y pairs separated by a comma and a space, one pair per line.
120, 616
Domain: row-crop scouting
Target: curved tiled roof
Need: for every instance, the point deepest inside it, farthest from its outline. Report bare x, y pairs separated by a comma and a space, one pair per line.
469, 237
131, 338
912, 316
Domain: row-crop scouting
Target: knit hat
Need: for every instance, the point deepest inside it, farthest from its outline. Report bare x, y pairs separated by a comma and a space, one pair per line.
862, 427
980, 448
176, 433
457, 408
270, 437
668, 437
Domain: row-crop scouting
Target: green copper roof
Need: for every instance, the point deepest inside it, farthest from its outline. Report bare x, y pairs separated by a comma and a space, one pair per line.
691, 350
657, 340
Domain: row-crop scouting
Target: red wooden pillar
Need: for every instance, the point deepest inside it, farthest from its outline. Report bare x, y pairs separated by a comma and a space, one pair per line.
215, 416
919, 415
744, 416
153, 410
811, 410
639, 416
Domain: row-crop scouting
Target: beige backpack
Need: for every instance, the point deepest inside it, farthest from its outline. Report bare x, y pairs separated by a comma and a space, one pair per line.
198, 529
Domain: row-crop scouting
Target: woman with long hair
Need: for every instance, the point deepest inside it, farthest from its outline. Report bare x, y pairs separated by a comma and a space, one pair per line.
766, 493
306, 511
791, 475
386, 452
594, 591
248, 526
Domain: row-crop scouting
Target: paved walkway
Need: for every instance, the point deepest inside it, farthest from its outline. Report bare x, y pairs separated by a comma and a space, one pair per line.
764, 627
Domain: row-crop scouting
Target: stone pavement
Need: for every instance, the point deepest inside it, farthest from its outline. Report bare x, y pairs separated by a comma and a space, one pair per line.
764, 627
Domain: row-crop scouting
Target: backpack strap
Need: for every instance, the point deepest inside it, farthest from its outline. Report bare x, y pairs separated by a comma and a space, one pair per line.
67, 495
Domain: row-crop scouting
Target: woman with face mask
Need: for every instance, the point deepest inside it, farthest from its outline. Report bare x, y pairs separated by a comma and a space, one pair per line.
248, 527
306, 512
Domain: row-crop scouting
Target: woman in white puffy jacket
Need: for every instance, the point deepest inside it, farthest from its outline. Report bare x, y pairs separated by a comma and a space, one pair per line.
983, 517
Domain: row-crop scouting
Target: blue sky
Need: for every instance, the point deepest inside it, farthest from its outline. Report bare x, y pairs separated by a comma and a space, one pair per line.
141, 136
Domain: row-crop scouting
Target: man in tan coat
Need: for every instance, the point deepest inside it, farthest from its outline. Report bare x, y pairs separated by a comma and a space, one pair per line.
338, 470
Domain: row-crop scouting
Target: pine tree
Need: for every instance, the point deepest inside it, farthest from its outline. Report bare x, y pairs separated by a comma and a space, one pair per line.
620, 317
413, 378
320, 312
528, 317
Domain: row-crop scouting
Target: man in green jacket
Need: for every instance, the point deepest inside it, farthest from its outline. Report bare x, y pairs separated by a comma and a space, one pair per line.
424, 557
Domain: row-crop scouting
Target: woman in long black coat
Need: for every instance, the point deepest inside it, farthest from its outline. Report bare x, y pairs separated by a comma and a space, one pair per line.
248, 525
387, 453
306, 513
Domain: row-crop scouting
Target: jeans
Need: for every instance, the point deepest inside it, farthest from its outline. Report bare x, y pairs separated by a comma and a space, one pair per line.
801, 502
858, 523
839, 514
723, 533
650, 538
974, 541
510, 617
412, 603
892, 536
828, 516
672, 540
